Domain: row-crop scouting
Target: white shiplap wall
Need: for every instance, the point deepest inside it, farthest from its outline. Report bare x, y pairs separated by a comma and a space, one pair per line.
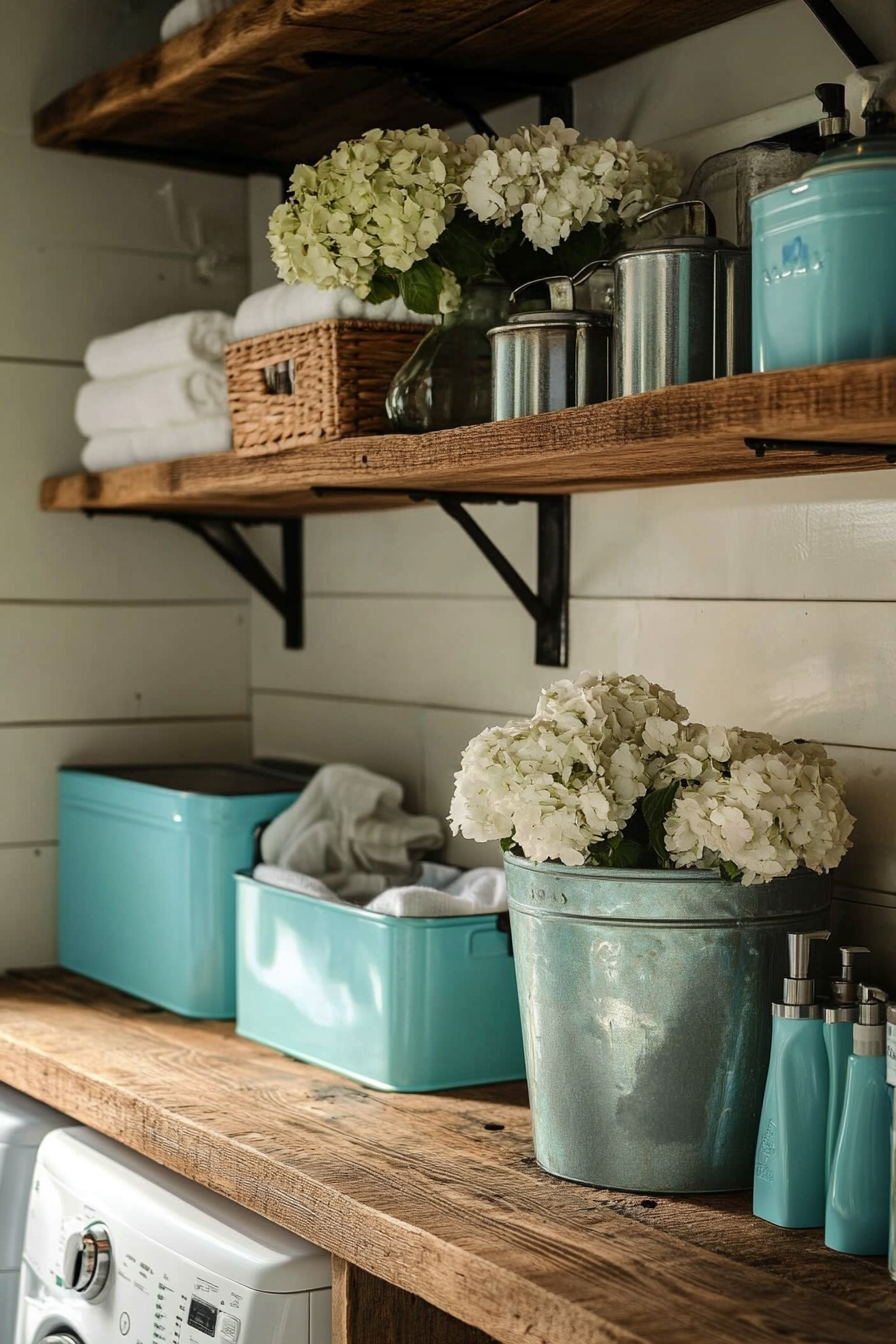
771, 604
119, 639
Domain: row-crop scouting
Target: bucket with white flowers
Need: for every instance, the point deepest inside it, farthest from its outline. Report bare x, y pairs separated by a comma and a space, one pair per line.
654, 866
450, 227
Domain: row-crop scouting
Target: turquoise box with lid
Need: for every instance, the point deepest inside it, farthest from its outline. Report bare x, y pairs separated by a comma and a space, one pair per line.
146, 861
401, 1004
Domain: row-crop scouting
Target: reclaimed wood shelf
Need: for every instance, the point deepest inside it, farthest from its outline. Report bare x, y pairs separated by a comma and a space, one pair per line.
246, 92
438, 1195
678, 435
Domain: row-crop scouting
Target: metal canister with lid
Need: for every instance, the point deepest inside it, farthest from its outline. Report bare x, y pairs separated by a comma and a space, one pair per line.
681, 304
824, 263
549, 360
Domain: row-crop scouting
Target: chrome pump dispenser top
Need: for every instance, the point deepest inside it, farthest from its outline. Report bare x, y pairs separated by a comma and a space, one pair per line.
844, 989
869, 1034
799, 989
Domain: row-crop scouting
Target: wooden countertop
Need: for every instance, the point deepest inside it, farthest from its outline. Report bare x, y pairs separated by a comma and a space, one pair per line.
437, 1194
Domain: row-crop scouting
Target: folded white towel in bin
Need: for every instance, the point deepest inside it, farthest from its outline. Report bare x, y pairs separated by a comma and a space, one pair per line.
283, 306
348, 829
190, 13
127, 447
182, 338
149, 400
481, 891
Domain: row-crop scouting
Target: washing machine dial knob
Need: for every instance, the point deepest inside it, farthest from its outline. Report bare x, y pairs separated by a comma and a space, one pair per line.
88, 1261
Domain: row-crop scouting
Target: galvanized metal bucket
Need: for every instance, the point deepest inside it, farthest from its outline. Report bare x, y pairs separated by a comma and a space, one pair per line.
646, 1006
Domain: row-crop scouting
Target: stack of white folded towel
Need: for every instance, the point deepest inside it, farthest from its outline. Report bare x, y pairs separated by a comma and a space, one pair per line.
284, 305
189, 13
158, 392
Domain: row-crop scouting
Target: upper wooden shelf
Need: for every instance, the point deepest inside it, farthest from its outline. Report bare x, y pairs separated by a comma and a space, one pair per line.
675, 436
438, 1194
241, 93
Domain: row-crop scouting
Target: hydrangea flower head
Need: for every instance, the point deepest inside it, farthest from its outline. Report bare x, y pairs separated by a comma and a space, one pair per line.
562, 782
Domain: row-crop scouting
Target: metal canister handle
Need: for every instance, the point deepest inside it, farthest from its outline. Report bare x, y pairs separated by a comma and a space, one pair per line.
560, 288
700, 222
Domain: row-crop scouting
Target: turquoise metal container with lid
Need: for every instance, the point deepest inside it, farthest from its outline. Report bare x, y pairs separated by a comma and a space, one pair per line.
824, 260
147, 900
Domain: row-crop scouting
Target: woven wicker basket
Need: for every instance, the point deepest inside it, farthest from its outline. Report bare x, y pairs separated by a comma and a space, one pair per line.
343, 369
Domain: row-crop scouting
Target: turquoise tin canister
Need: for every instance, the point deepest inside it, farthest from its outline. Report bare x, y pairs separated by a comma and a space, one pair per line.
824, 260
147, 900
646, 1002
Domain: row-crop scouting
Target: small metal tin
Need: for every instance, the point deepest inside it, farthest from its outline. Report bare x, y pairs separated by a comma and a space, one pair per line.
548, 361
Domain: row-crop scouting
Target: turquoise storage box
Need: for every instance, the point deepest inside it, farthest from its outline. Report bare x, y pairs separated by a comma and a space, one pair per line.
406, 1005
146, 891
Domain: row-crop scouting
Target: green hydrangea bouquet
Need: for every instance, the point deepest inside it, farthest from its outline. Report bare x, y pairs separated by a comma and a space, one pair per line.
417, 214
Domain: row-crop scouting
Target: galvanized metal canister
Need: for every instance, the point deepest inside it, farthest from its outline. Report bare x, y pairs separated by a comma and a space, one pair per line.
682, 314
646, 1006
548, 361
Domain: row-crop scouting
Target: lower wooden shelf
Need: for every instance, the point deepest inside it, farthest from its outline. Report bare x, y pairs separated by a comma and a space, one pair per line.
678, 435
438, 1195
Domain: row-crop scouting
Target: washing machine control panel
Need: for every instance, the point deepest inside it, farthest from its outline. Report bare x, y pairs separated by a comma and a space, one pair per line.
114, 1285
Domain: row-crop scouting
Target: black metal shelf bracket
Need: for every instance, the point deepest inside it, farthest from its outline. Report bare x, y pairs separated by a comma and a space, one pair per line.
823, 447
842, 31
456, 89
287, 598
222, 534
549, 605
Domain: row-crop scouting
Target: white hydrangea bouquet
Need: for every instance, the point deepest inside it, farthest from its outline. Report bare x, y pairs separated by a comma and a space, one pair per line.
418, 214
609, 772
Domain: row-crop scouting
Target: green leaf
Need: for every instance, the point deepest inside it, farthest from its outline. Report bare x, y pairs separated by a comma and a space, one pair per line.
421, 286
508, 843
730, 870
620, 851
656, 806
383, 286
465, 248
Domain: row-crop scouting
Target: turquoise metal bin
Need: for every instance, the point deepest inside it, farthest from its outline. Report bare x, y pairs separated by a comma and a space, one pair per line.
146, 861
404, 1005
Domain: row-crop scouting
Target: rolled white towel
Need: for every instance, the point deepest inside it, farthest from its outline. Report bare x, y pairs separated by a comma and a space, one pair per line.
182, 338
128, 447
284, 305
164, 397
188, 13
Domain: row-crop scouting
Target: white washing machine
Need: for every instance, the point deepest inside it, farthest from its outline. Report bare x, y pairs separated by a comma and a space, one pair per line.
120, 1251
23, 1123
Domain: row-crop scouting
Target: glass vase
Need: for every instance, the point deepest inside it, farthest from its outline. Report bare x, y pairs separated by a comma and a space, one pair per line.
448, 379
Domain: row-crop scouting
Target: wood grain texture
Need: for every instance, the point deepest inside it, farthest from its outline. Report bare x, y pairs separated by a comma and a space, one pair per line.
677, 435
437, 1194
241, 93
367, 1310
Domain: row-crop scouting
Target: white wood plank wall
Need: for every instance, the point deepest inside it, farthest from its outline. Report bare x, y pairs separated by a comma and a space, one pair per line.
768, 604
120, 640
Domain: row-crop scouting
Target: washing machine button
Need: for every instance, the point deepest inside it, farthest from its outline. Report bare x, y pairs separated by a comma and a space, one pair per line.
230, 1329
88, 1259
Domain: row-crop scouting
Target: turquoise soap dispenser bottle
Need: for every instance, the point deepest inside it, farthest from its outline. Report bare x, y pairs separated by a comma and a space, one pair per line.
839, 1017
857, 1216
790, 1180
891, 1083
